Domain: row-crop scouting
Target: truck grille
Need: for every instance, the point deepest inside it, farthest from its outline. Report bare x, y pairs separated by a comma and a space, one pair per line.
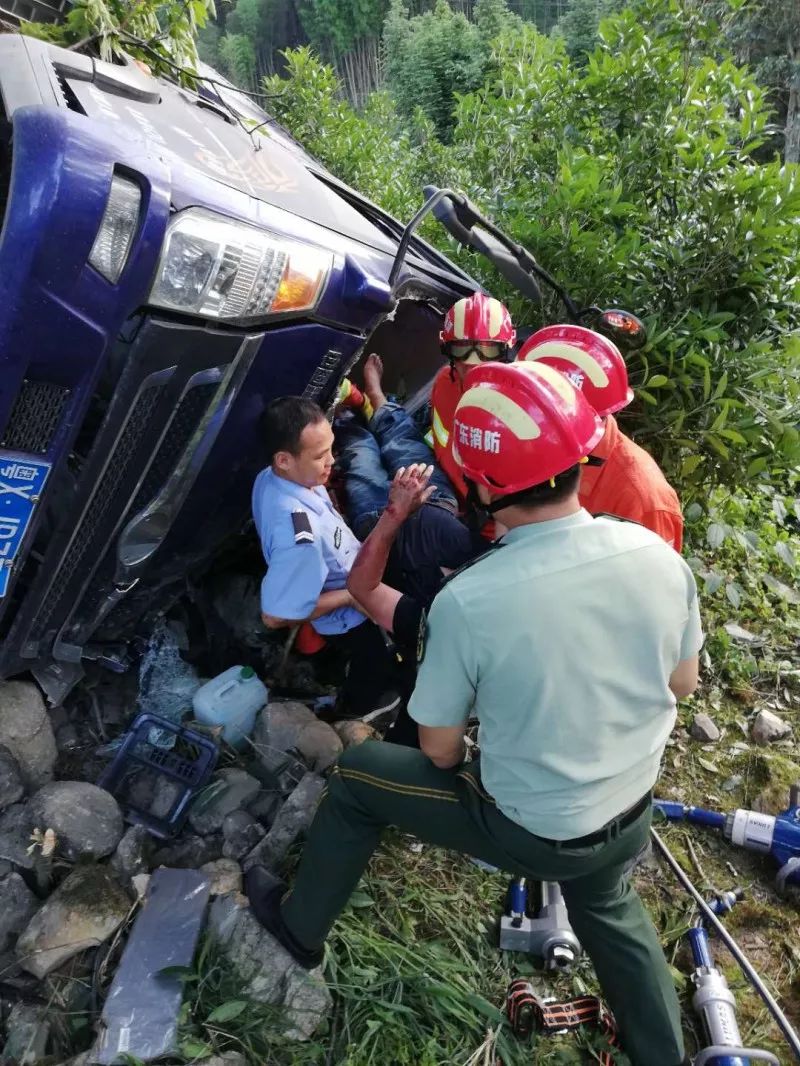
86, 541
182, 425
35, 417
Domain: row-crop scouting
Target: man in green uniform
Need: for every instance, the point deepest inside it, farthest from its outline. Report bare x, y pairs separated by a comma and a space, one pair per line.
570, 641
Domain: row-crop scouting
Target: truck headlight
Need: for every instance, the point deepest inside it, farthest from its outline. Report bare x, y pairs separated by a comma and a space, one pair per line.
216, 268
112, 244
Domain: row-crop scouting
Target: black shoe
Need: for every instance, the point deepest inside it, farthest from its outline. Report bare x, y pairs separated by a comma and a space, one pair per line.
265, 892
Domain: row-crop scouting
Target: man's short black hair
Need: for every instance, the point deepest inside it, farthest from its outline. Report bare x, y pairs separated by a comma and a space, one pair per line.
545, 493
283, 422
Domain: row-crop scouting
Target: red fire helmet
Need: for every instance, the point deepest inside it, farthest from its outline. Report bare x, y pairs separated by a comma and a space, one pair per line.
519, 424
593, 363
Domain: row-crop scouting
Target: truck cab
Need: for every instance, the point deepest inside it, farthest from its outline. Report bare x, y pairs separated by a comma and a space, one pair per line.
170, 261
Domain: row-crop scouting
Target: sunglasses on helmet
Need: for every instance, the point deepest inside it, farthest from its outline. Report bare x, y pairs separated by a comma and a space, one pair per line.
486, 351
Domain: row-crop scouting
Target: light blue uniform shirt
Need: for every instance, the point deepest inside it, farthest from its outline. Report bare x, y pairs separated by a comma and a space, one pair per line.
563, 641
302, 567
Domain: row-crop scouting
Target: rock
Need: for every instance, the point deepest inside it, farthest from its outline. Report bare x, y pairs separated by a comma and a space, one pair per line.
241, 832
768, 727
15, 836
26, 731
294, 818
230, 790
230, 1058
139, 885
266, 807
86, 819
28, 1029
189, 852
268, 973
704, 728
354, 732
133, 853
292, 727
67, 738
17, 906
12, 787
225, 876
84, 911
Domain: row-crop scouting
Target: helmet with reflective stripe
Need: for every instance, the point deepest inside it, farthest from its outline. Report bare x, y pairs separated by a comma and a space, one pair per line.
593, 363
519, 424
475, 320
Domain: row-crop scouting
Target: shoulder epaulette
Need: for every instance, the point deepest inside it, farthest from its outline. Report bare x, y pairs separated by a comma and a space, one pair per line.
303, 533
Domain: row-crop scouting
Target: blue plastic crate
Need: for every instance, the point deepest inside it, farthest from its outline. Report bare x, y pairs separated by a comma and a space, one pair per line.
188, 765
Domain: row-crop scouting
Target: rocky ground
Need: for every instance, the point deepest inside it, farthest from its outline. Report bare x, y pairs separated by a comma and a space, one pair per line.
73, 875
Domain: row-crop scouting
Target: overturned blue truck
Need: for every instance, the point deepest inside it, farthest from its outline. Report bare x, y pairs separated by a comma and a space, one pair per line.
170, 261
164, 272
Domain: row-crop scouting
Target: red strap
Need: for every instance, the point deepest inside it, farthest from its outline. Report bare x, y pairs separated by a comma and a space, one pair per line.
528, 1013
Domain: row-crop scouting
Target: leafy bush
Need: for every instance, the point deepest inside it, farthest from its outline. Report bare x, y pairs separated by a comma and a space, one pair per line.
634, 178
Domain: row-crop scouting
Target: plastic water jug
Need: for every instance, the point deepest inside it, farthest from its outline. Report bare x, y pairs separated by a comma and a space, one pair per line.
232, 700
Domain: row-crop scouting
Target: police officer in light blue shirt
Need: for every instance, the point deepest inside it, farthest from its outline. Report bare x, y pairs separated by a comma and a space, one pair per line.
309, 550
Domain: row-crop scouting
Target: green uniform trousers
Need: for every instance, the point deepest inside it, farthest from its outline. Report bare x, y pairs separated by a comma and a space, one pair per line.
376, 785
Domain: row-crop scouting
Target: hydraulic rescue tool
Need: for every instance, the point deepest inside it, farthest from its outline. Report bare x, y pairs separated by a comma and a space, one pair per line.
714, 1002
547, 934
777, 835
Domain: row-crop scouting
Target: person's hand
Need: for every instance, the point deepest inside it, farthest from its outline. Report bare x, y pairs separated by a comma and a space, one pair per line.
409, 490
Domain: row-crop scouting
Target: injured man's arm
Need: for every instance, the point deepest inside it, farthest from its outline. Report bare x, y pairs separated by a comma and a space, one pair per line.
327, 602
408, 492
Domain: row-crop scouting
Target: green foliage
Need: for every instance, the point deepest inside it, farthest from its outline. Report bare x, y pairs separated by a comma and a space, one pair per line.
634, 179
434, 56
580, 25
160, 34
239, 59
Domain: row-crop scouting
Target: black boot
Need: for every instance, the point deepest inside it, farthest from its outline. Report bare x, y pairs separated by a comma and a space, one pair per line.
265, 893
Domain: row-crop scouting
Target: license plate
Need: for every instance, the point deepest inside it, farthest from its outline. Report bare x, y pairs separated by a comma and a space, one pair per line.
21, 484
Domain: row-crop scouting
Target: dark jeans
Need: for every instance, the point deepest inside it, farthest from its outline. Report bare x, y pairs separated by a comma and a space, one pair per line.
370, 456
376, 785
433, 537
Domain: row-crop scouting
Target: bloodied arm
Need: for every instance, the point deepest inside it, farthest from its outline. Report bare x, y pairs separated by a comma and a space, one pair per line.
408, 492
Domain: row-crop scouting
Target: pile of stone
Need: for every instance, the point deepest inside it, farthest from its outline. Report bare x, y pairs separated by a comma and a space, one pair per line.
71, 871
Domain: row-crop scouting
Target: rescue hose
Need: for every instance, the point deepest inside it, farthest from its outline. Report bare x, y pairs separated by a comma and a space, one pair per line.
792, 1039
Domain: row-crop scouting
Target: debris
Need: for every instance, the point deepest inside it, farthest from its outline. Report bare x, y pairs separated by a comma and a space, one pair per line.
294, 818
180, 772
229, 1058
132, 856
711, 767
17, 906
743, 636
292, 727
12, 787
768, 727
85, 818
268, 973
83, 912
190, 852
26, 731
704, 728
140, 1016
166, 682
230, 790
28, 1031
139, 884
241, 832
224, 876
354, 732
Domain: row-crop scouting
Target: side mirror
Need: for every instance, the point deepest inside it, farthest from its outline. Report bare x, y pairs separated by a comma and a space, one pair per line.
464, 222
622, 327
